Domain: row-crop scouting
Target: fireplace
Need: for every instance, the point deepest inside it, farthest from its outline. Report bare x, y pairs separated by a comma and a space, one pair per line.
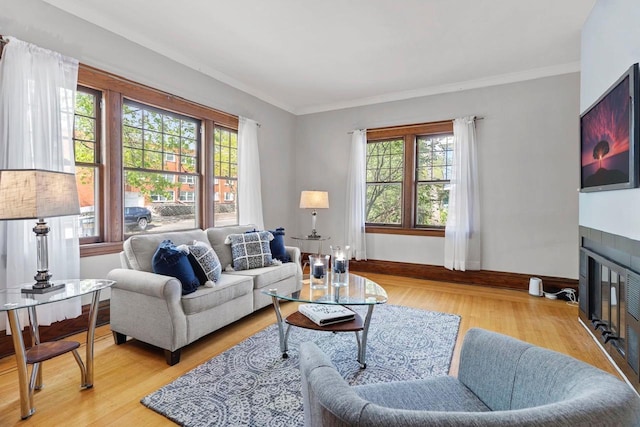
609, 286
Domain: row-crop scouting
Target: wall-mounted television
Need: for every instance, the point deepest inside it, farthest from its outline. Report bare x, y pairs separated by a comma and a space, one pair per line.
609, 134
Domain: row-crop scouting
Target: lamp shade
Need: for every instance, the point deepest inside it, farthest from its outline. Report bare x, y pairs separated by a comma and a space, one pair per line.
314, 200
35, 193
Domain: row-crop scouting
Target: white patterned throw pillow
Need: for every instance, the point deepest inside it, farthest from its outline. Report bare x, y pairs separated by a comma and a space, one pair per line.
250, 250
205, 263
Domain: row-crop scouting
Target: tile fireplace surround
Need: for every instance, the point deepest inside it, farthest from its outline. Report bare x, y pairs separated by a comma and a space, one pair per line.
609, 289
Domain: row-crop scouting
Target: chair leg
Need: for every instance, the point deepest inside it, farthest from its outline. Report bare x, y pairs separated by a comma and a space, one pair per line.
119, 338
83, 370
172, 357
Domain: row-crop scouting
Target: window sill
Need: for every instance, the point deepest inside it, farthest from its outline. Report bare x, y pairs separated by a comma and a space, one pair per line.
432, 232
95, 249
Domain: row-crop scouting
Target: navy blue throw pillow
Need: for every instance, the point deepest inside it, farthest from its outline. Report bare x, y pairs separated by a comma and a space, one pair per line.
277, 245
170, 261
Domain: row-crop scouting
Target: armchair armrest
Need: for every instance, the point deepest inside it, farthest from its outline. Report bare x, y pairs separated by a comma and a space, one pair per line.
487, 354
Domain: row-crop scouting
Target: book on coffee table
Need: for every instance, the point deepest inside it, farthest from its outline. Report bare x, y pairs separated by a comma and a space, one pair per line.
326, 314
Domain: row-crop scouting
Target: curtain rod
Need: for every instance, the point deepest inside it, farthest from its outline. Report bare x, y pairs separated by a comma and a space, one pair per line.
476, 118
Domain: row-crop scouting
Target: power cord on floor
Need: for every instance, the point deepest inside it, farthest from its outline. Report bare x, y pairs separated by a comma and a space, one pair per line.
570, 293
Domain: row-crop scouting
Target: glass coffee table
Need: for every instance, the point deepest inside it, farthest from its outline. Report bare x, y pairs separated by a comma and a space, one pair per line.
358, 291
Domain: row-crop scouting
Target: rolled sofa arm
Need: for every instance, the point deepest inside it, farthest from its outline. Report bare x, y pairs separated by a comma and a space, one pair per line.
294, 253
151, 284
148, 307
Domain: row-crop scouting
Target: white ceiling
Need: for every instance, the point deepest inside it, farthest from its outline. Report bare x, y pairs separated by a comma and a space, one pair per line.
315, 55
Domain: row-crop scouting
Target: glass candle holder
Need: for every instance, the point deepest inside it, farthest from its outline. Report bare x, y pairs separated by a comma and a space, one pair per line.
340, 265
318, 271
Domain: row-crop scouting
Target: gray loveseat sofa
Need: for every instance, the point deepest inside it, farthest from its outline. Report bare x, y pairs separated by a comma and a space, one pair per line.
501, 382
151, 308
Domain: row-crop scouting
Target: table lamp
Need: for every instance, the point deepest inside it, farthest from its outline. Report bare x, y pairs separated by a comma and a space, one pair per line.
314, 200
36, 194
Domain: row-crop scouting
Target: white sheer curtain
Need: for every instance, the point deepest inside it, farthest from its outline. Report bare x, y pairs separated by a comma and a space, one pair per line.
37, 102
249, 186
357, 195
462, 242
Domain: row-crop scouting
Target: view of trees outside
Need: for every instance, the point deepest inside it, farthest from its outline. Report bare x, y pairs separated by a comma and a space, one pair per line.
385, 172
160, 150
86, 157
225, 170
160, 160
384, 181
434, 160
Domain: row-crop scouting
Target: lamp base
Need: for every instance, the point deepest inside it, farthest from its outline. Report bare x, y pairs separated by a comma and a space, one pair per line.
313, 235
43, 290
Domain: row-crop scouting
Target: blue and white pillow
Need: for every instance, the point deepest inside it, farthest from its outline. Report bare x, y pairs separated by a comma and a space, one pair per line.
250, 250
205, 263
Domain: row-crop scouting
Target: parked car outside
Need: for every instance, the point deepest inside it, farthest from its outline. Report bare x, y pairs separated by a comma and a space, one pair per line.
137, 216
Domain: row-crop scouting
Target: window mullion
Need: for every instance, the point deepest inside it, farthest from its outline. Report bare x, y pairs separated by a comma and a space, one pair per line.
113, 170
408, 188
207, 174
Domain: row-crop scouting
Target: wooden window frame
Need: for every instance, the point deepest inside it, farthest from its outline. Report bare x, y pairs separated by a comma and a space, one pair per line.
226, 179
409, 134
114, 89
98, 164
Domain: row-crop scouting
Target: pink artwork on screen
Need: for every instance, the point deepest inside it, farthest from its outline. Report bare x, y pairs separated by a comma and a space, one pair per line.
605, 139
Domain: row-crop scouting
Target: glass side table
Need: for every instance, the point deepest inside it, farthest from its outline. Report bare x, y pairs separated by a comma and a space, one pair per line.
11, 300
313, 239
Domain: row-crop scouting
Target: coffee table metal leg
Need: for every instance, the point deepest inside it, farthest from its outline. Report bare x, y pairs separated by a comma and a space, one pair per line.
282, 334
362, 343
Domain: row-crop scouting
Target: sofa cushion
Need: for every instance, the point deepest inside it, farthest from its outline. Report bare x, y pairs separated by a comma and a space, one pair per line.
205, 262
139, 249
170, 261
217, 237
278, 250
228, 288
444, 393
266, 276
250, 250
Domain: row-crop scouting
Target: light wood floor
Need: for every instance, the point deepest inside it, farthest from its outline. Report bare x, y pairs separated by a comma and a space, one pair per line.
126, 373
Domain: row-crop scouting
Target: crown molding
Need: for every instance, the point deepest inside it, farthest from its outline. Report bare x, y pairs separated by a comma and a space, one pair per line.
536, 73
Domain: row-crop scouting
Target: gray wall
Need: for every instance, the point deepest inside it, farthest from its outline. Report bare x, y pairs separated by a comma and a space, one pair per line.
46, 26
528, 146
528, 170
610, 44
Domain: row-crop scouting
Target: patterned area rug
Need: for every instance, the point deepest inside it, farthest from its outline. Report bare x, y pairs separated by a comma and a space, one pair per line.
252, 385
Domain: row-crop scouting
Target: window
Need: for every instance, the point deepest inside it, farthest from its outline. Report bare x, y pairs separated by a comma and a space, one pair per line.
385, 170
188, 179
166, 196
435, 156
407, 171
225, 169
86, 141
136, 146
187, 196
159, 156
